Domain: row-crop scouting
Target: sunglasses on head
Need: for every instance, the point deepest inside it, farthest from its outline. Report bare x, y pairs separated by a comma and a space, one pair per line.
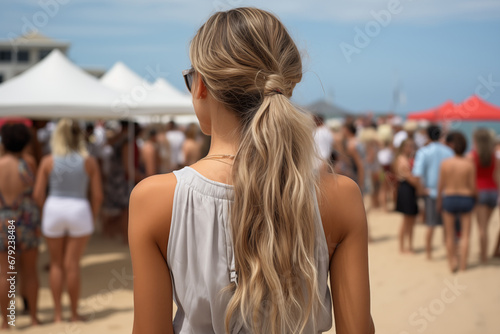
188, 78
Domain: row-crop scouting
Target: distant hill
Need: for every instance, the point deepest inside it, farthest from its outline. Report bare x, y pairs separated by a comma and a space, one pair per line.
328, 109
331, 110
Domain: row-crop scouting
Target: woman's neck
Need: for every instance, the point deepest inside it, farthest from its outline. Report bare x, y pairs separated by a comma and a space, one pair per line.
17, 155
225, 133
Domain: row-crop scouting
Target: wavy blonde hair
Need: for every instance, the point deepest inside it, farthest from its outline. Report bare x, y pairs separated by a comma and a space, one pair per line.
67, 138
249, 63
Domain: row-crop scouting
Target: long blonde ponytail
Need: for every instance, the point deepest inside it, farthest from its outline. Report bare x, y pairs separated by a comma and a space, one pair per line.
249, 63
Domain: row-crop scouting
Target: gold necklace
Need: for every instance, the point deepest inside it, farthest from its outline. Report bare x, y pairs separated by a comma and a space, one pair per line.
218, 157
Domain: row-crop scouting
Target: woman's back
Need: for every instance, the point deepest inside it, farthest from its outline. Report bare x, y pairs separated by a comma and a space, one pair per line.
68, 177
200, 216
16, 202
156, 203
484, 174
16, 178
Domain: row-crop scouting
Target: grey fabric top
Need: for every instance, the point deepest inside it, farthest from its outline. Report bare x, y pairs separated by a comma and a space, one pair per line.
68, 177
201, 262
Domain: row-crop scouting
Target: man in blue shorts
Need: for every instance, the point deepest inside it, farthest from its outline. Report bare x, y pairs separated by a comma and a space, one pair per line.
426, 167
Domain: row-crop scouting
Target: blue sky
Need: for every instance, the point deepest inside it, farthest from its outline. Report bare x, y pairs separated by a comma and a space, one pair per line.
433, 50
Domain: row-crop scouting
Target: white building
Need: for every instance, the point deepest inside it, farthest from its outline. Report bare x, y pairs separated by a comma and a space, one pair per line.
17, 55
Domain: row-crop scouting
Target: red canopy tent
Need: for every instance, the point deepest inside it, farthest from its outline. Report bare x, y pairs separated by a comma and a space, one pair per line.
474, 109
7, 120
434, 114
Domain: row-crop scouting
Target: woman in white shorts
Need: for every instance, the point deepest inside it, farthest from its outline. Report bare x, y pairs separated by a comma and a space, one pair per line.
68, 216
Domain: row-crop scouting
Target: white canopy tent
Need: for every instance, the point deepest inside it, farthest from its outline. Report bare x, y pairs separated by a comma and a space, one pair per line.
163, 90
143, 98
163, 86
55, 87
123, 80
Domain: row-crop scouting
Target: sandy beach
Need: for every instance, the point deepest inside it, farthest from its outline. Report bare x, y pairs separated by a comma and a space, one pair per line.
409, 293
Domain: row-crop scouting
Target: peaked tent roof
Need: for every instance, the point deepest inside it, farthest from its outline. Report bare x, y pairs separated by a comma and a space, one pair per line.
475, 109
123, 79
55, 87
165, 86
472, 109
435, 114
142, 98
164, 96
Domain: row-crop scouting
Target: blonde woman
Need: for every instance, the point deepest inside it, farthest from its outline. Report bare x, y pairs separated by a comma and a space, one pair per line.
68, 216
245, 238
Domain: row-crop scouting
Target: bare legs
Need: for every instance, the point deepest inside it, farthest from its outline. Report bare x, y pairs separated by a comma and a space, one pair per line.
483, 217
466, 220
375, 178
496, 252
4, 288
450, 235
449, 229
428, 241
385, 190
65, 255
30, 279
406, 232
74, 252
56, 275
27, 268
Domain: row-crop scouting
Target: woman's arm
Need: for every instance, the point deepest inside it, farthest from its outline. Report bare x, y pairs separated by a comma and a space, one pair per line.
496, 175
96, 195
344, 219
42, 176
150, 213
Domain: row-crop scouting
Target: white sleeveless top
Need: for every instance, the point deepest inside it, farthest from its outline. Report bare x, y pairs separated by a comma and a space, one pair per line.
201, 262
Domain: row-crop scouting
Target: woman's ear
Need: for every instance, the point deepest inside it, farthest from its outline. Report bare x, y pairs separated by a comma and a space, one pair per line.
199, 88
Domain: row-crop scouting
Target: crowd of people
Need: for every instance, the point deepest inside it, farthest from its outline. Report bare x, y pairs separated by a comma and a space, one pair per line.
430, 174
59, 180
66, 176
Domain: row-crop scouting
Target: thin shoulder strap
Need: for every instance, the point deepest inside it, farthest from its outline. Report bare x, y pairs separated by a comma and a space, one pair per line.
25, 172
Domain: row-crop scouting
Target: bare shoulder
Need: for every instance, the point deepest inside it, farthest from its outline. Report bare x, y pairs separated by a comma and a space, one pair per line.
341, 206
446, 163
91, 162
151, 204
46, 159
46, 163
